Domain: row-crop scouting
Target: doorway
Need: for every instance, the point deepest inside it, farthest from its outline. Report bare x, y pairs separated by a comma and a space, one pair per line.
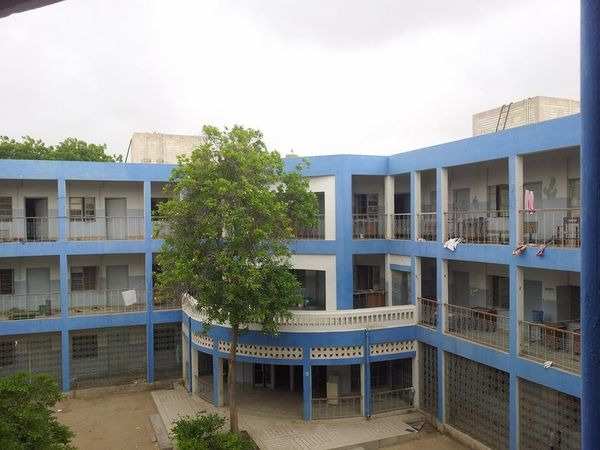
116, 218
36, 213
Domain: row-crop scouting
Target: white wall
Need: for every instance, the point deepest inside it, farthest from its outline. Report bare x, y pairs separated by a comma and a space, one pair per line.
132, 191
134, 262
550, 280
321, 262
20, 266
326, 185
478, 273
477, 178
20, 190
428, 185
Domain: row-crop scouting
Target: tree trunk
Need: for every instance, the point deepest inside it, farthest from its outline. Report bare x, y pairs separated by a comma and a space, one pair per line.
231, 378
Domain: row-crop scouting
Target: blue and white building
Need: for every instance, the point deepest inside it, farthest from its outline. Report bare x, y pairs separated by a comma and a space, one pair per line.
484, 340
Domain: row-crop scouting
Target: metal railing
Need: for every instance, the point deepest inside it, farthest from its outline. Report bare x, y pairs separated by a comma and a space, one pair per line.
337, 407
368, 226
426, 226
478, 227
106, 228
545, 343
104, 301
204, 387
477, 325
315, 232
560, 227
29, 306
401, 226
427, 312
392, 400
28, 229
369, 298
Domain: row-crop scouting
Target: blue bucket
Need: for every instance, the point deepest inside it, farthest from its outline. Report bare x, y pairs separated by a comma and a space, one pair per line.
537, 316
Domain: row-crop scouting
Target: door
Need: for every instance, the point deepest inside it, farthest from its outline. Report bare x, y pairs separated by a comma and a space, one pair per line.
532, 300
36, 211
116, 218
460, 288
38, 289
117, 281
400, 288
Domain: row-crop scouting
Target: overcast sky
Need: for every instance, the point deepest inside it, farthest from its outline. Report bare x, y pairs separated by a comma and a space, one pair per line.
316, 76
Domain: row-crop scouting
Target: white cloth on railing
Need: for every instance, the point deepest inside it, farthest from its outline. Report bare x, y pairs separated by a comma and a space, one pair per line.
129, 297
451, 244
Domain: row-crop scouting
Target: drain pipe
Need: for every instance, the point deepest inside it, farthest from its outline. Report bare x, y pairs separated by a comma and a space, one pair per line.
590, 227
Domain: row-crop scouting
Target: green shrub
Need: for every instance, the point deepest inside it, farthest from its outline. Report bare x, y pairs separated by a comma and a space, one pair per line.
204, 432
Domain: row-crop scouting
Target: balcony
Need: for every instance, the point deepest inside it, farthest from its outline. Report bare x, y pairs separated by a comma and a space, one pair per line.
368, 226
478, 324
401, 226
316, 232
28, 229
559, 227
426, 226
368, 298
558, 344
29, 306
427, 312
106, 301
478, 227
106, 228
340, 320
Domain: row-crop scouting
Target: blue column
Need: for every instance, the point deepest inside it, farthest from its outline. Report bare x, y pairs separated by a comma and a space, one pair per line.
440, 193
441, 407
441, 299
343, 236
513, 346
149, 319
590, 248
307, 384
147, 211
64, 317
413, 280
190, 371
367, 399
415, 194
217, 374
62, 209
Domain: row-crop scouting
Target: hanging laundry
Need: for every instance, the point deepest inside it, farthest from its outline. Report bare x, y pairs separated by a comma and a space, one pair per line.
451, 244
520, 249
541, 249
529, 201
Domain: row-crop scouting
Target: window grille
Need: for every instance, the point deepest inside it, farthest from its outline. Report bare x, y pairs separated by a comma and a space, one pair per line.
31, 353
83, 278
429, 379
167, 351
7, 285
82, 208
6, 209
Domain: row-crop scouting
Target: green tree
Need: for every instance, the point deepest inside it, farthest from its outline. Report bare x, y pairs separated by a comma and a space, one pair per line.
71, 149
234, 211
26, 418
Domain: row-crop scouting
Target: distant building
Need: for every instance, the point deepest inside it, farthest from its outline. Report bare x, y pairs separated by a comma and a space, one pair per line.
160, 148
523, 112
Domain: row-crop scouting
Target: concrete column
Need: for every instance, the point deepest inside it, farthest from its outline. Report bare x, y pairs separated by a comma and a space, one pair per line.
441, 200
441, 387
388, 280
194, 371
590, 249
307, 390
515, 200
147, 210
63, 268
65, 354
415, 279
217, 380
149, 317
366, 378
515, 313
343, 232
442, 291
415, 203
189, 350
389, 191
62, 209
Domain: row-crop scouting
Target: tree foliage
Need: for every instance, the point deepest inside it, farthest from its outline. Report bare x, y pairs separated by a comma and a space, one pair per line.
26, 419
234, 211
204, 432
71, 149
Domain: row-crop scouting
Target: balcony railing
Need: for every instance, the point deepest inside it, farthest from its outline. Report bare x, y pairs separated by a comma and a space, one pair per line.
478, 227
392, 400
106, 228
337, 407
368, 226
102, 302
427, 312
545, 343
560, 227
316, 232
478, 325
160, 228
340, 320
401, 226
29, 306
204, 387
426, 226
170, 303
369, 298
28, 229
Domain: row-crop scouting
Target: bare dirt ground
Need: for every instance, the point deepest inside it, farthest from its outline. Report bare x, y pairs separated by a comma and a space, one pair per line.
118, 421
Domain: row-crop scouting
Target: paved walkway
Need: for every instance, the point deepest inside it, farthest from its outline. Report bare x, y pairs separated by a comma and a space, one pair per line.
274, 433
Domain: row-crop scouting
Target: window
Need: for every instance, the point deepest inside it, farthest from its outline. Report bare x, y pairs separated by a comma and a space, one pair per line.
5, 209
366, 277
82, 209
499, 292
85, 346
7, 353
7, 285
366, 203
313, 288
573, 199
83, 278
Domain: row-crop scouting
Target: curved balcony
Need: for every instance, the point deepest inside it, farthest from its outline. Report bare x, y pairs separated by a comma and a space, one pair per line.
328, 321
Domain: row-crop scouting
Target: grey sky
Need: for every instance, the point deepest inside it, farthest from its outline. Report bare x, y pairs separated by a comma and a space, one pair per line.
321, 77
